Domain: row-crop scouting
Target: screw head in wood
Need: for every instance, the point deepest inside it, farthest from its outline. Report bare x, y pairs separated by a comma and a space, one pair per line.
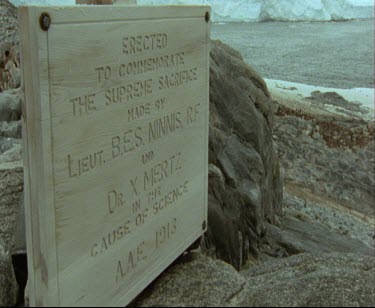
45, 21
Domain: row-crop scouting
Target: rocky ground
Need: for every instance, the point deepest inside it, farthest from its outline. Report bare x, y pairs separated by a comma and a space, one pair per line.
303, 280
329, 163
320, 250
291, 198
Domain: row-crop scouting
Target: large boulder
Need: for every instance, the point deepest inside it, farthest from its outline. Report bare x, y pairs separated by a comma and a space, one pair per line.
245, 186
195, 281
8, 283
319, 228
296, 236
327, 280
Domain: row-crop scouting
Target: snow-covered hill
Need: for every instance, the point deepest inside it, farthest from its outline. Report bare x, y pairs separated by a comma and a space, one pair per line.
261, 10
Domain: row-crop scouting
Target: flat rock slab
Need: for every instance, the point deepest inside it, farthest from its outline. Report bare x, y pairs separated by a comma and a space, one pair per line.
299, 236
327, 280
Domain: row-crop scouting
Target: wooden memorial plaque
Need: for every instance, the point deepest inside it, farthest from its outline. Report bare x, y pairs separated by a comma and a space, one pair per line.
116, 146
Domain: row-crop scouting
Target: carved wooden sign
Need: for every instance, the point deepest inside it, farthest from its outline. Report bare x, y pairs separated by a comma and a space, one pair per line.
116, 147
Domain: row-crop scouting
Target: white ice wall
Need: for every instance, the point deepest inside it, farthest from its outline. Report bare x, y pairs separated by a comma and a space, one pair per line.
260, 10
283, 10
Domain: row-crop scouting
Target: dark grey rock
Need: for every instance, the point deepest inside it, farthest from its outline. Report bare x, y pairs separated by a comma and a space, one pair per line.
11, 187
330, 220
241, 147
298, 236
335, 99
10, 105
8, 283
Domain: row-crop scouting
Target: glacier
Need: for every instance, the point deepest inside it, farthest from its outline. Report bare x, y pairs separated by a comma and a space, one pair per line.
262, 10
280, 10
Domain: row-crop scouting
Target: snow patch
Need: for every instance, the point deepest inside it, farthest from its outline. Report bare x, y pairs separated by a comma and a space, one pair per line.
297, 91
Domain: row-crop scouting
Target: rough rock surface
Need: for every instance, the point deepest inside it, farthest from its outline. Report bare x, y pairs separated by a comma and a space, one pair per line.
10, 76
8, 283
298, 236
8, 22
328, 160
8, 143
11, 187
245, 187
335, 220
304, 280
11, 129
10, 105
196, 281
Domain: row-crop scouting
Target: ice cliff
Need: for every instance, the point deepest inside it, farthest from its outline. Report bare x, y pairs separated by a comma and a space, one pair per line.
264, 10
281, 10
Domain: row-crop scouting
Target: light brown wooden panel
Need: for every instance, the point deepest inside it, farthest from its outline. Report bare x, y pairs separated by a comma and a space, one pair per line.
116, 147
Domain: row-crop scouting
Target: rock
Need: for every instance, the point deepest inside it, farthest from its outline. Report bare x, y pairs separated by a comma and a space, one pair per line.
8, 143
328, 280
10, 105
8, 283
196, 281
334, 222
298, 236
10, 76
12, 155
322, 168
241, 147
335, 99
304, 280
11, 187
9, 21
11, 129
